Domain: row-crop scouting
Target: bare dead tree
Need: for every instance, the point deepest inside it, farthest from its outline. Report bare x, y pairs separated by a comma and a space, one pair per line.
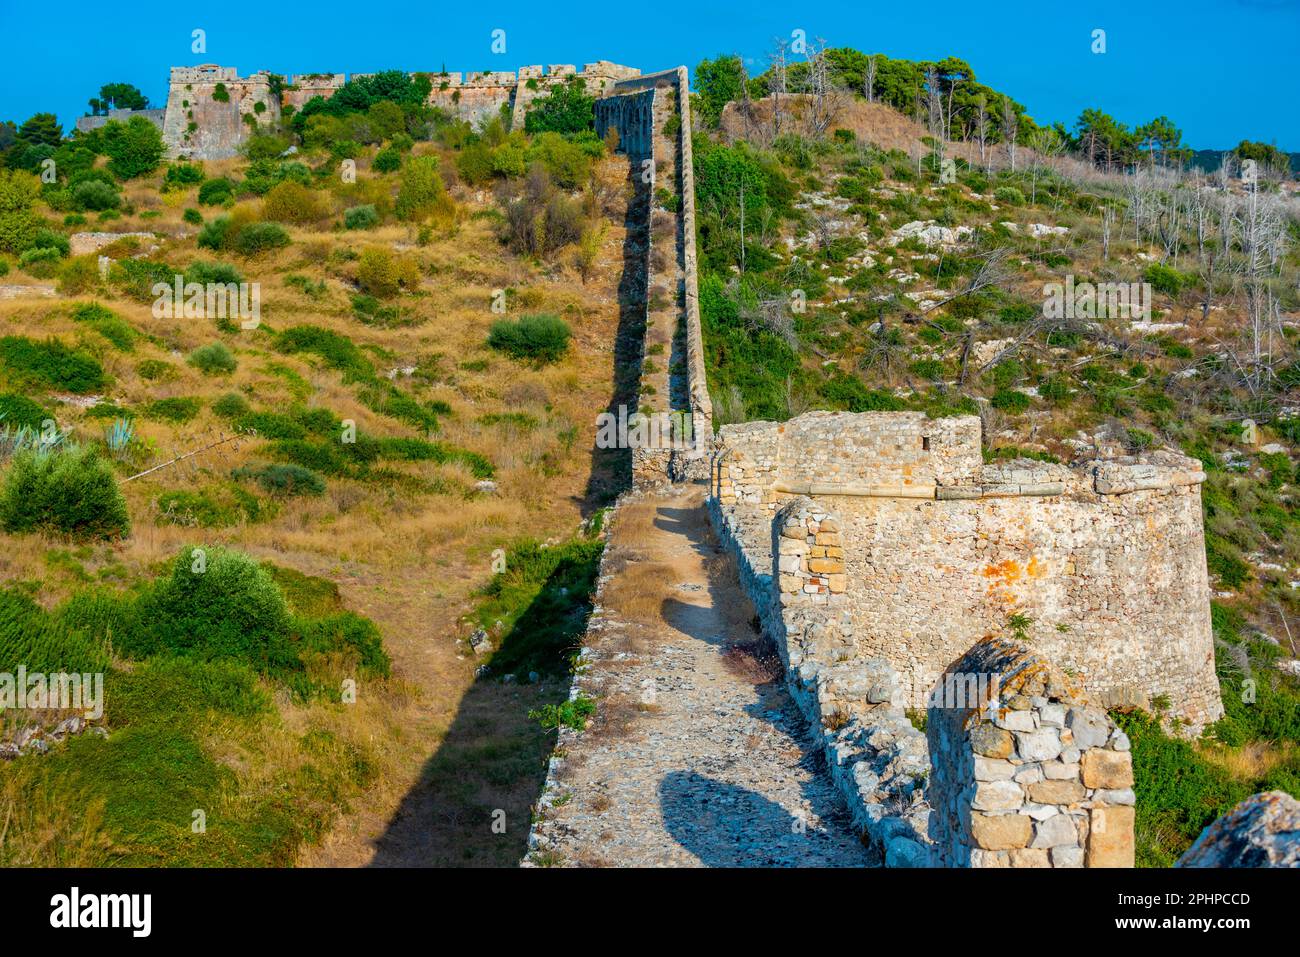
869, 79
982, 131
1010, 130
777, 82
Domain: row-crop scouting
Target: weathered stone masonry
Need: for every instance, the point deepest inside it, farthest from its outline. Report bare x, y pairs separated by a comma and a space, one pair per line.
880, 552
197, 126
1107, 559
673, 382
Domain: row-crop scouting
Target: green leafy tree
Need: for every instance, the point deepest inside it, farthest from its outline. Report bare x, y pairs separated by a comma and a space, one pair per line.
422, 193
134, 148
118, 96
18, 222
568, 109
42, 129
718, 82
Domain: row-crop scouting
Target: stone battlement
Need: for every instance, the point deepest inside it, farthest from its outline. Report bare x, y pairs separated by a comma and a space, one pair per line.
1106, 558
199, 127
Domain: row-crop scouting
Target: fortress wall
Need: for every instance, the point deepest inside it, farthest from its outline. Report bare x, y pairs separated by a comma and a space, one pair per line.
640, 109
473, 96
197, 126
87, 123
1116, 586
1107, 559
303, 88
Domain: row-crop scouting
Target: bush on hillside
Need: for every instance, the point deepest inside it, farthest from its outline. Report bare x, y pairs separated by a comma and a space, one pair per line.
216, 603
285, 479
382, 274
291, 202
361, 217
542, 337
213, 359
257, 238
51, 364
68, 490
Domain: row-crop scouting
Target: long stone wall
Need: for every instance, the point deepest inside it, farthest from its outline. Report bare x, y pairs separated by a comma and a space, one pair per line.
674, 387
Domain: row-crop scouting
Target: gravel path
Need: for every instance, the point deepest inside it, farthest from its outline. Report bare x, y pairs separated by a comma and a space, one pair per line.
697, 755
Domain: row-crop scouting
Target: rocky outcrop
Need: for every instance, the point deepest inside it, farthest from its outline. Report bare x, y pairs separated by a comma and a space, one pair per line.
1261, 831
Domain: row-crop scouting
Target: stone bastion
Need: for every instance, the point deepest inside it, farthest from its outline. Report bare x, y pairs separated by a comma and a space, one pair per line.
1100, 566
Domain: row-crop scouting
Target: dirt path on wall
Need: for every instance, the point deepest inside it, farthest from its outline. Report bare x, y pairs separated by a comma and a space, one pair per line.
697, 755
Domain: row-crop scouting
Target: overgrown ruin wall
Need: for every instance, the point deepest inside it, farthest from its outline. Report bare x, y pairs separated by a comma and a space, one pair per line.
199, 127
1106, 559
207, 107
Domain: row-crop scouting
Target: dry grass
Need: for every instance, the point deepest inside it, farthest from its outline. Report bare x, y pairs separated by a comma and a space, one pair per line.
410, 562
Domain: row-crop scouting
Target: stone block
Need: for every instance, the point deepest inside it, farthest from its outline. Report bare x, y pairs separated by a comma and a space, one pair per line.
1000, 832
1041, 745
1110, 837
1029, 857
1057, 792
990, 741
989, 769
1107, 769
1055, 832
997, 796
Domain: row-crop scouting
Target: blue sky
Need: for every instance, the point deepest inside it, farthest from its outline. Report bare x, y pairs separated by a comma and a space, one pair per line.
1223, 71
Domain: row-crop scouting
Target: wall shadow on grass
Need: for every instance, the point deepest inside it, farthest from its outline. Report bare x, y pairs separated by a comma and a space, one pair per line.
472, 804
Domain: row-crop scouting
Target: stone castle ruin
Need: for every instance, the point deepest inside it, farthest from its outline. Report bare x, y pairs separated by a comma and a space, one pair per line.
896, 571
939, 549
211, 110
892, 567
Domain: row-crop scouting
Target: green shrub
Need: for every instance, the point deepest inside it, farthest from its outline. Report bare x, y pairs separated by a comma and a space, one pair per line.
192, 216
383, 274
284, 479
40, 262
350, 633
217, 603
1166, 279
18, 410
96, 195
422, 193
361, 217
208, 508
41, 642
1010, 400
1009, 195
18, 222
540, 337
292, 202
213, 359
215, 192
232, 405
137, 277
256, 238
203, 272
153, 369
51, 364
388, 160
68, 490
182, 175
214, 233
179, 409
